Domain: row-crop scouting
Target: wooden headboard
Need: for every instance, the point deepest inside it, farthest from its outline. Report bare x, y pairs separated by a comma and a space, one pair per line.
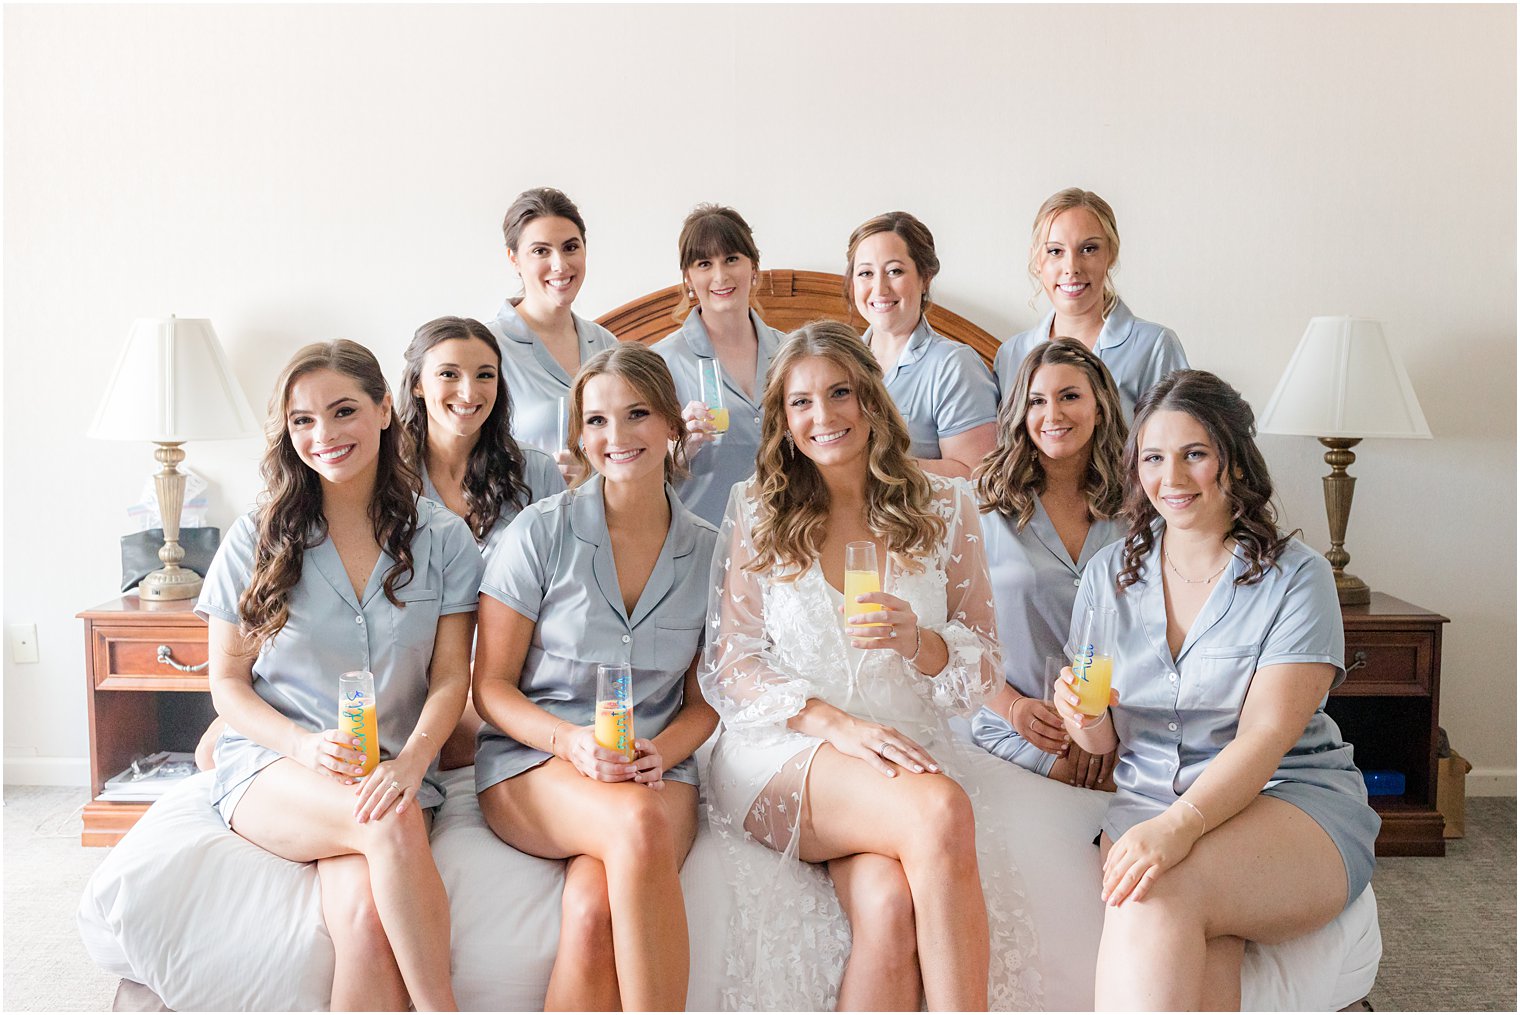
788, 299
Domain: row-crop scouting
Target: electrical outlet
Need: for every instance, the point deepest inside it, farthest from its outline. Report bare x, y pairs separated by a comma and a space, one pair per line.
23, 643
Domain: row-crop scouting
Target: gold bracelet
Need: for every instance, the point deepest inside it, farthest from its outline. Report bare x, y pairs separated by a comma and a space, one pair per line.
1194, 807
554, 734
420, 733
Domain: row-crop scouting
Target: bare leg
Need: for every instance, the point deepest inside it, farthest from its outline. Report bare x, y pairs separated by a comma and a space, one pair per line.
302, 816
882, 973
1221, 973
1268, 874
925, 822
641, 836
585, 966
365, 977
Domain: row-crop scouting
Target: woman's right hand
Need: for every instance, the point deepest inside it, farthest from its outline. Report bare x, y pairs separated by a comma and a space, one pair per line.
881, 747
1066, 700
578, 746
699, 429
332, 754
1039, 723
569, 468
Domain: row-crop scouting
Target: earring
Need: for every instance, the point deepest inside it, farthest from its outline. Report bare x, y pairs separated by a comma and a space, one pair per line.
787, 440
691, 294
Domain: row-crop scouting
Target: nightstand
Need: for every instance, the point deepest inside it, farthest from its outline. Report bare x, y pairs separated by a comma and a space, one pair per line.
1388, 709
147, 691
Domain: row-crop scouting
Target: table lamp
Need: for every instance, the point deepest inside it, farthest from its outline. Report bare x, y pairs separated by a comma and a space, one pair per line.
172, 384
1344, 383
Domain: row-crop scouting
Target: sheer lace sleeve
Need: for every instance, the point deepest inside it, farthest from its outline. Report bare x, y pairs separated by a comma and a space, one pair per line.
742, 675
975, 662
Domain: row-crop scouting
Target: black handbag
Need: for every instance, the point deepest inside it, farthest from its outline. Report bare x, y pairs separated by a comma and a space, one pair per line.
139, 552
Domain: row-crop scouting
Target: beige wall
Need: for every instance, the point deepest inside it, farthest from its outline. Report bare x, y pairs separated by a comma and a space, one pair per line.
302, 173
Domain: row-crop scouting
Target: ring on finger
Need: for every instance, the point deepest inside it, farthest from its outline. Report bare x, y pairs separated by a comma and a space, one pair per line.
882, 750
395, 785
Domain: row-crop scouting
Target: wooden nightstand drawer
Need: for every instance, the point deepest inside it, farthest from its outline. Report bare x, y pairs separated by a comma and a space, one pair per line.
131, 659
1388, 662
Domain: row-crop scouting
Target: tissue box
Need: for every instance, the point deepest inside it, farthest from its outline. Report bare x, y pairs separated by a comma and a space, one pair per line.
1451, 793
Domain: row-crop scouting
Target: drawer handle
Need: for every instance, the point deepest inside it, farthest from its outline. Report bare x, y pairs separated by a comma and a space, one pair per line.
166, 658
1358, 660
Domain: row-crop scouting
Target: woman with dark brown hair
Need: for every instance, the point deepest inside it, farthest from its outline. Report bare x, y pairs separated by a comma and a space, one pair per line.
944, 391
344, 568
1240, 815
835, 749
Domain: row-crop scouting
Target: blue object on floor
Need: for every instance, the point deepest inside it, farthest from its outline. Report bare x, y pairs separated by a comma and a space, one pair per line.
1384, 782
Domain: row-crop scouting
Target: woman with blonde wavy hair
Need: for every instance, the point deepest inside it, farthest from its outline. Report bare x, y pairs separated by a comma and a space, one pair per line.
835, 753
343, 567
1050, 494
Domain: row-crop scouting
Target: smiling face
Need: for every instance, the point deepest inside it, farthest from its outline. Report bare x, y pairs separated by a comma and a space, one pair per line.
457, 384
722, 284
888, 289
624, 438
823, 413
334, 426
551, 260
1180, 472
1062, 411
1074, 263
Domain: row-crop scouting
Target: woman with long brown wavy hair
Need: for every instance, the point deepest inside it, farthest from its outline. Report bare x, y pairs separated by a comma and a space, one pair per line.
1240, 815
835, 751
1050, 494
344, 568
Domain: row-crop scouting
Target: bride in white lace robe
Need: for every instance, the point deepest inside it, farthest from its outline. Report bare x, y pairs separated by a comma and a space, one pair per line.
813, 724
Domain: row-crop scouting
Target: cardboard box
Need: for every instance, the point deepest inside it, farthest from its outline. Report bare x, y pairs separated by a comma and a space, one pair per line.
1451, 793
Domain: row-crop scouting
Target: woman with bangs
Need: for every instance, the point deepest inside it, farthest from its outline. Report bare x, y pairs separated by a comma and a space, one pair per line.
720, 266
1050, 495
611, 571
1073, 251
543, 341
344, 568
1240, 814
945, 393
835, 754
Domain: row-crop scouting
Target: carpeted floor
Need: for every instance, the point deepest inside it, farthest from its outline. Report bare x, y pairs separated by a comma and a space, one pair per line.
1448, 923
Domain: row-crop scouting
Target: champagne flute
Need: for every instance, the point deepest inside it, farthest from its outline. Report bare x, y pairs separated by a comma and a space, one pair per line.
1094, 664
614, 708
357, 718
860, 578
712, 396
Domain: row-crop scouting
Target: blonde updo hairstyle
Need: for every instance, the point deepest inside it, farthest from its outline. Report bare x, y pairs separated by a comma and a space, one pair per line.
1066, 200
643, 370
793, 499
712, 231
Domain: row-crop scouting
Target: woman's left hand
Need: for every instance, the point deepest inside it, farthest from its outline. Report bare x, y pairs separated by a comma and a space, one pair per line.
649, 767
897, 624
1144, 853
393, 783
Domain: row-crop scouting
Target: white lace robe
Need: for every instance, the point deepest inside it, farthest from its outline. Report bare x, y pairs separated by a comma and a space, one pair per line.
772, 646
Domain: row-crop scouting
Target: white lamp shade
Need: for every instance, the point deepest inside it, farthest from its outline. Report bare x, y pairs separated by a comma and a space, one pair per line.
173, 383
1344, 380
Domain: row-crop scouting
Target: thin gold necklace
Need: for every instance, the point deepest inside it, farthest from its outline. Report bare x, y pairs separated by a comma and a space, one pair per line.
1194, 581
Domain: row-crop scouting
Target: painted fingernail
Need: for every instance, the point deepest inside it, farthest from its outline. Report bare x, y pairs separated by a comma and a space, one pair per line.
358, 770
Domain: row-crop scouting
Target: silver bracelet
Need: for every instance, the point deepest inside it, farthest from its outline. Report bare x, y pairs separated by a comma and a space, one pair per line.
1194, 807
918, 634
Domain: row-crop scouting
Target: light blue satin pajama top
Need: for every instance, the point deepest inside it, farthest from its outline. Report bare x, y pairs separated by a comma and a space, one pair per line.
535, 379
332, 631
941, 387
555, 567
1176, 714
543, 479
717, 467
1034, 584
1137, 353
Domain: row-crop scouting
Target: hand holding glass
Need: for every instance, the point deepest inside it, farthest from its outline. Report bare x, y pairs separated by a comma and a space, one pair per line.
712, 395
614, 708
860, 579
1094, 662
357, 718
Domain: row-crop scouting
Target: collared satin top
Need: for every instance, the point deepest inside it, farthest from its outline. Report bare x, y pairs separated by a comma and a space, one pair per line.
543, 479
555, 567
717, 467
332, 631
1176, 714
535, 379
941, 387
1138, 354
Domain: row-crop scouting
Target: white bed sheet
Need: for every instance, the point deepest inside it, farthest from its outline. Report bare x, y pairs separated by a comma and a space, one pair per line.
209, 921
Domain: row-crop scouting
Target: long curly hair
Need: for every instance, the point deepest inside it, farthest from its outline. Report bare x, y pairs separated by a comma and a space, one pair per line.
290, 519
1010, 478
494, 472
647, 373
793, 500
1230, 424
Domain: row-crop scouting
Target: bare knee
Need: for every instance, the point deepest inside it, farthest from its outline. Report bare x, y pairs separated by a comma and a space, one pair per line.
352, 920
398, 835
645, 833
881, 912
586, 916
944, 826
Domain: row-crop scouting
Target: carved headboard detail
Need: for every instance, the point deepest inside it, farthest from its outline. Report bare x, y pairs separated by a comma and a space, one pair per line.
787, 299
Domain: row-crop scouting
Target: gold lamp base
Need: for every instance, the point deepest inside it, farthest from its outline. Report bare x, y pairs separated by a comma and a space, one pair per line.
171, 581
1339, 486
